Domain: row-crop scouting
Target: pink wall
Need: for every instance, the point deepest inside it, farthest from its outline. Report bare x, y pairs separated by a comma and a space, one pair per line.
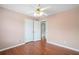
11, 28
63, 28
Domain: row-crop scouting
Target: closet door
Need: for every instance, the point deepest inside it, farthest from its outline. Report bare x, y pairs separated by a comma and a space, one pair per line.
32, 30
28, 30
37, 31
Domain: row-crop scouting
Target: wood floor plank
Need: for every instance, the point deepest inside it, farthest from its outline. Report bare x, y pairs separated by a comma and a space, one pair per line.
39, 48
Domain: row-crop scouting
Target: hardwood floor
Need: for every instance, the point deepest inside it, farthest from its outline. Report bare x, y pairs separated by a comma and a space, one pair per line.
39, 48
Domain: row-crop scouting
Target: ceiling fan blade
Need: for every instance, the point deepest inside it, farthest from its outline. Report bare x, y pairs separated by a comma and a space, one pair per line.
46, 8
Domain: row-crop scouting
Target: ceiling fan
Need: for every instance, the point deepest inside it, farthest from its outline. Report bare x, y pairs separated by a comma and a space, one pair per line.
40, 11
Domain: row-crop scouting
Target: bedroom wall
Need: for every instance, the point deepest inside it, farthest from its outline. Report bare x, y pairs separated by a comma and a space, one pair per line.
63, 29
11, 28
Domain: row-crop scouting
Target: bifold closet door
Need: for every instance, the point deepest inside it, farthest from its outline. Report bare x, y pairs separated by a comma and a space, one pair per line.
32, 30
37, 31
28, 30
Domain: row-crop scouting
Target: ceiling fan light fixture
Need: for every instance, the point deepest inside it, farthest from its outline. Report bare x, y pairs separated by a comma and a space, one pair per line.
38, 14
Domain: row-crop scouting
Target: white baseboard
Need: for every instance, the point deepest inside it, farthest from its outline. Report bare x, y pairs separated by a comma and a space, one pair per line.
63, 46
15, 45
12, 46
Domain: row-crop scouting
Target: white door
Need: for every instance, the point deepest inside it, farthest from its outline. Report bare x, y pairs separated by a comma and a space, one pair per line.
37, 31
28, 30
32, 32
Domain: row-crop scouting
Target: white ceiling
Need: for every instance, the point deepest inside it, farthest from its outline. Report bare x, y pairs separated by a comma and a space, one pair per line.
28, 8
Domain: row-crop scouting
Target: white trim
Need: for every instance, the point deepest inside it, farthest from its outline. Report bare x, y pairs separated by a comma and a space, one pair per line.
63, 46
12, 46
15, 46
